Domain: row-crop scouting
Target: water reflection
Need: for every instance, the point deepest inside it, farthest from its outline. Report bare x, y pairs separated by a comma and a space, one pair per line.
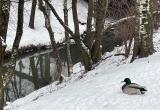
36, 71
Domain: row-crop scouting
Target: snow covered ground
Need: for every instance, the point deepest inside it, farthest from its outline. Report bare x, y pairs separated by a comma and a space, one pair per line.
40, 35
100, 89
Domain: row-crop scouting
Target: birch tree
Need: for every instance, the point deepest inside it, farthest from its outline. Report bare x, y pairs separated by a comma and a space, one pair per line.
4, 12
143, 40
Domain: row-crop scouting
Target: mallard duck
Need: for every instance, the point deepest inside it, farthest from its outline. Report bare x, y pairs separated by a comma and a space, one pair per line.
132, 88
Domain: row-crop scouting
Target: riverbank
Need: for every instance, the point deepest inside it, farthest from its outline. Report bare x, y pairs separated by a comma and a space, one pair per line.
100, 89
39, 36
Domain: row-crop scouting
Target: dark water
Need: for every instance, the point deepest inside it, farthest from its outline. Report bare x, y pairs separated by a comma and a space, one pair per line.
35, 71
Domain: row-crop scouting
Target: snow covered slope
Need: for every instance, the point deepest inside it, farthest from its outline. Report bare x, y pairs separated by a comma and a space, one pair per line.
40, 35
100, 89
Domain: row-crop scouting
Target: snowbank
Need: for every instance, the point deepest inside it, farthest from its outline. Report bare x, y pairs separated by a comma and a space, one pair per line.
100, 89
39, 36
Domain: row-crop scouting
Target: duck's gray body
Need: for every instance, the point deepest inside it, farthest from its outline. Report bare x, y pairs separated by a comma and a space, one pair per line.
133, 88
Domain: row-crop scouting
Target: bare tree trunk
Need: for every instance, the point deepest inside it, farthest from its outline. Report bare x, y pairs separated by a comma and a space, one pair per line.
4, 18
54, 47
40, 2
1, 81
143, 41
89, 38
32, 16
84, 55
75, 18
12, 64
156, 8
59, 19
100, 21
128, 47
1, 76
69, 59
86, 60
95, 11
48, 10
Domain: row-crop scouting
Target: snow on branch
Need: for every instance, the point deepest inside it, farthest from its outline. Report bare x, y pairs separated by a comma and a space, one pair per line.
110, 24
85, 48
156, 12
3, 42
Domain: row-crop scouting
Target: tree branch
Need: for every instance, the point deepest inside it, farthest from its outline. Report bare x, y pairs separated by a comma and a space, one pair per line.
59, 19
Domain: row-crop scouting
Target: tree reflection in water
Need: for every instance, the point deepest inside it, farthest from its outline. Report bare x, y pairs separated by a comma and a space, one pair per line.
36, 71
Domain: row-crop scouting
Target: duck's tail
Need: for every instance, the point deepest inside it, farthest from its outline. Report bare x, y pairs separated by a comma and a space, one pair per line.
143, 90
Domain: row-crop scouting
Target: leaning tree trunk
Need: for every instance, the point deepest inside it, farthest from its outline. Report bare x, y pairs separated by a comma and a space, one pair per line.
54, 47
4, 18
84, 55
69, 59
32, 16
143, 41
59, 19
19, 32
48, 10
86, 60
40, 2
100, 21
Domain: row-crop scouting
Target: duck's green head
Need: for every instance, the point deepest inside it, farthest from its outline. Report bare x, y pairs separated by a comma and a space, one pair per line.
127, 81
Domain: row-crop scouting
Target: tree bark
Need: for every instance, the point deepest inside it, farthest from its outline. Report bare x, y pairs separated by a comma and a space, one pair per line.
84, 54
143, 41
32, 16
69, 59
100, 21
59, 19
86, 60
4, 18
89, 38
54, 47
40, 2
19, 32
48, 10
75, 18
